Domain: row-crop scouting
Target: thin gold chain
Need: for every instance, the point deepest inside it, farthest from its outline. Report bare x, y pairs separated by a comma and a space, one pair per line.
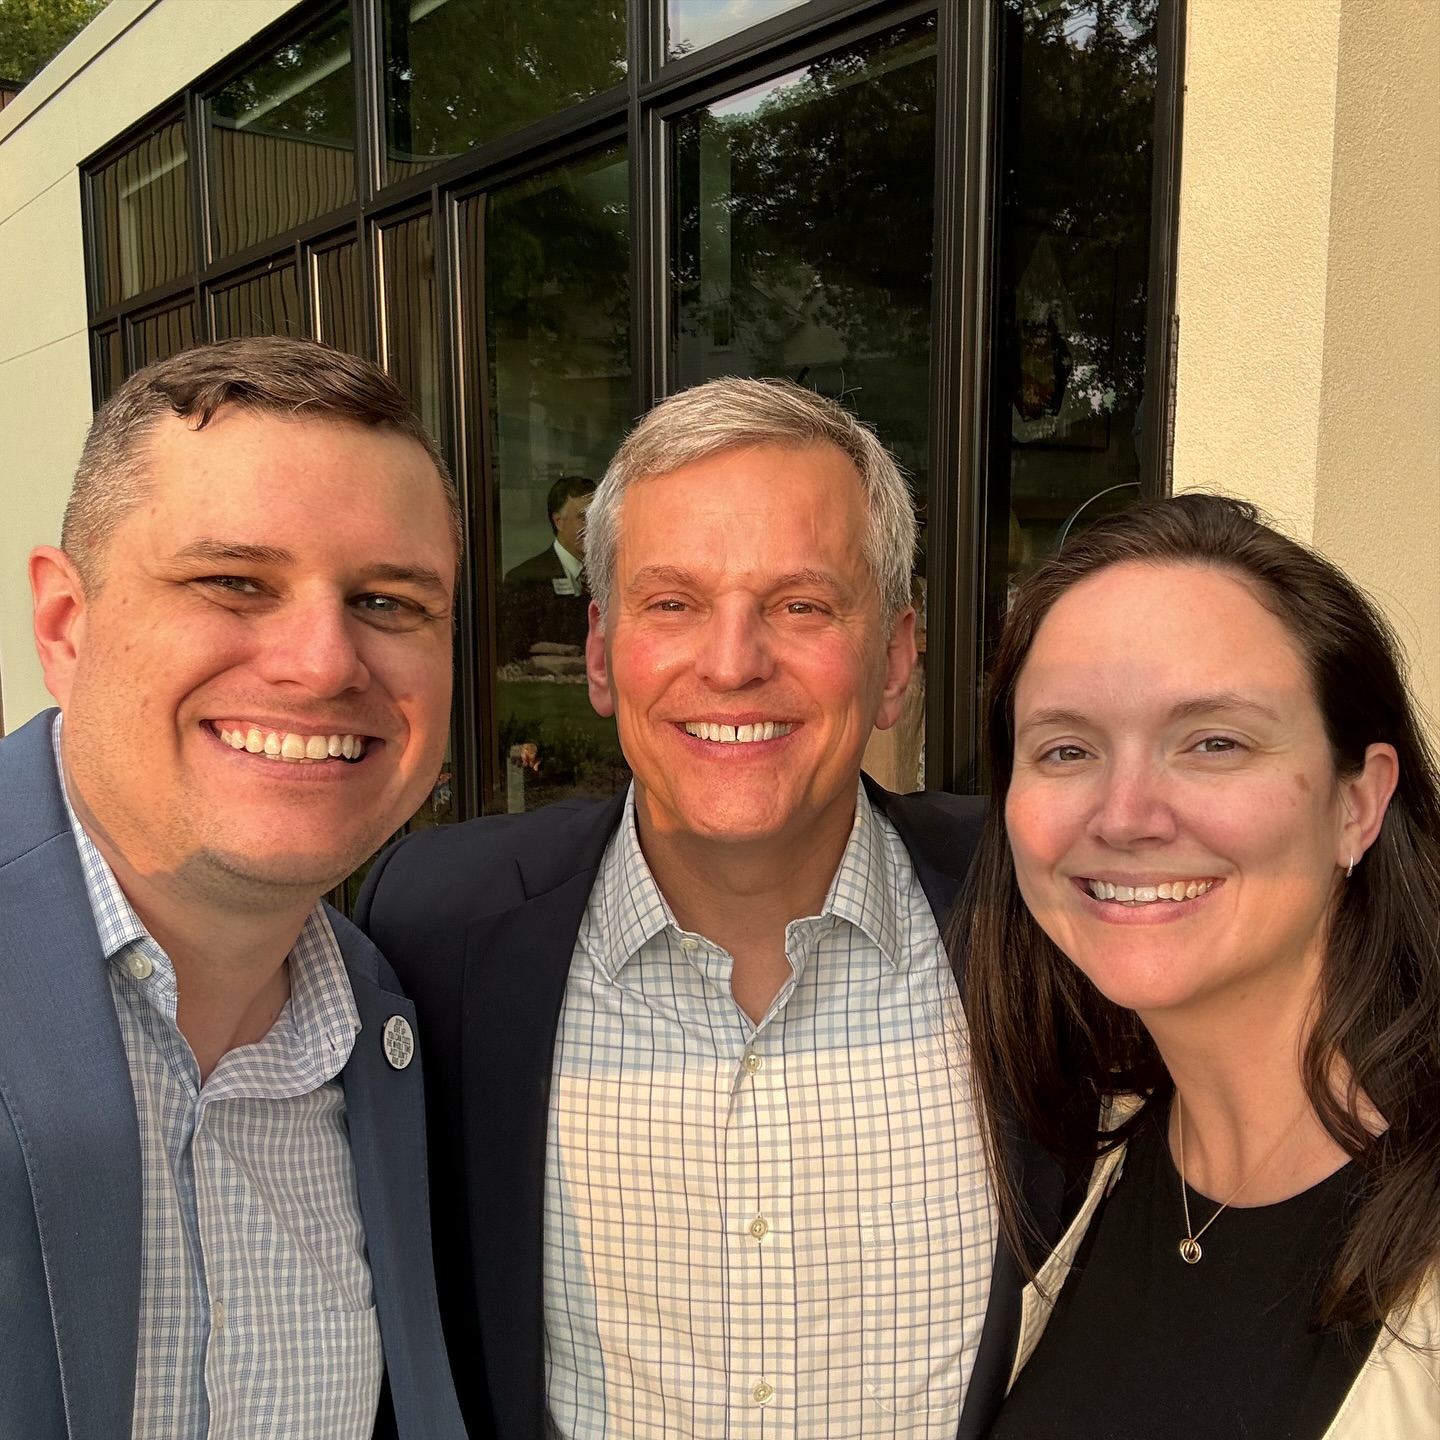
1192, 1237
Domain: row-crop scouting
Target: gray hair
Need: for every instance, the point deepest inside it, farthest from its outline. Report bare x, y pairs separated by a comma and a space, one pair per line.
733, 413
269, 374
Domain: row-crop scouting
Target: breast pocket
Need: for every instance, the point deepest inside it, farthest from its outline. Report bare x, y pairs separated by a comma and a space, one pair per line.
921, 1318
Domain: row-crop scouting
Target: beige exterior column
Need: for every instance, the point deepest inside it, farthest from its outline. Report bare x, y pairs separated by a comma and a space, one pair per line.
1309, 286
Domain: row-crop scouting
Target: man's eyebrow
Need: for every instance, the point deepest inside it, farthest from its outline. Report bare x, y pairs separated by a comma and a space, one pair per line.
421, 575
218, 552
675, 575
1222, 702
222, 552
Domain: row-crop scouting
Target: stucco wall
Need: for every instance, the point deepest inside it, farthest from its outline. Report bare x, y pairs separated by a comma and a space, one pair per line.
136, 55
1308, 286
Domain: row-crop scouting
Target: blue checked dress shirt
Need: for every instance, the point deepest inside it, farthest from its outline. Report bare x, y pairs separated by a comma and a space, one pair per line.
774, 1230
256, 1313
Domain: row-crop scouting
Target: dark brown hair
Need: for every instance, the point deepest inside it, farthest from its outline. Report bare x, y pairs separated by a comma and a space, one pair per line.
272, 374
1049, 1048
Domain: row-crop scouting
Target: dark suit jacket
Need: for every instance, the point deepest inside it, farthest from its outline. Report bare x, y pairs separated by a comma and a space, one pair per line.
529, 609
481, 920
70, 1151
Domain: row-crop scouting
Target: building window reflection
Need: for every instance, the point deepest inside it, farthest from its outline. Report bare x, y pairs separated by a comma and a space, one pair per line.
282, 138
541, 221
547, 286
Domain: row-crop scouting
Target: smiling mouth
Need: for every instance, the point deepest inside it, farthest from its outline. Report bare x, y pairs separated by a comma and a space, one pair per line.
1173, 891
737, 734
290, 747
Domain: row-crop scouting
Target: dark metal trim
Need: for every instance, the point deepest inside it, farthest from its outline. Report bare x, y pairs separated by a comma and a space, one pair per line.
669, 97
964, 225
1161, 320
753, 43
367, 60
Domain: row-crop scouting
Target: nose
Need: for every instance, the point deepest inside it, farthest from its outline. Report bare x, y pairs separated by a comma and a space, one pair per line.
311, 643
1132, 808
734, 650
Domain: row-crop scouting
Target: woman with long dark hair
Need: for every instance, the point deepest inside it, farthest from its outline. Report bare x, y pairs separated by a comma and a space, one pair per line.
1203, 931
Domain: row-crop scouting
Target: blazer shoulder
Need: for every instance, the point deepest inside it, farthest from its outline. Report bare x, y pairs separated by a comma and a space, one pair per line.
544, 566
452, 874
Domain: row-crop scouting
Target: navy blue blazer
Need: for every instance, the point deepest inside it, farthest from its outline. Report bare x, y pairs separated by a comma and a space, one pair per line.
70, 1150
480, 921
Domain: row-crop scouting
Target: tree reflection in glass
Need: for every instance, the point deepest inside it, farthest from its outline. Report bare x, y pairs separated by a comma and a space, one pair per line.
803, 224
460, 72
1073, 259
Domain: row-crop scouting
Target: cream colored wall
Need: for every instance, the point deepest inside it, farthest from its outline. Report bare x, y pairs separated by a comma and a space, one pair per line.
1308, 286
136, 55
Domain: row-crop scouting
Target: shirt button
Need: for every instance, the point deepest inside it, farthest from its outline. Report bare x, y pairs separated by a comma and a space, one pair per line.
752, 1062
759, 1227
139, 965
217, 1314
689, 945
763, 1393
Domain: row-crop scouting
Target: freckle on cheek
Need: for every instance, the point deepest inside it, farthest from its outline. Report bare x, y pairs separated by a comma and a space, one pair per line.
1303, 783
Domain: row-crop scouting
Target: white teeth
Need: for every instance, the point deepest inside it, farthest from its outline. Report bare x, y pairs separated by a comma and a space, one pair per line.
1148, 894
736, 734
291, 748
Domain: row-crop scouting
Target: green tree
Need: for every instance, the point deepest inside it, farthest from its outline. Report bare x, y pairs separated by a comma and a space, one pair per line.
33, 32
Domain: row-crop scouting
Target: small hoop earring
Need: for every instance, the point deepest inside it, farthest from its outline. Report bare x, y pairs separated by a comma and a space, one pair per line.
1350, 868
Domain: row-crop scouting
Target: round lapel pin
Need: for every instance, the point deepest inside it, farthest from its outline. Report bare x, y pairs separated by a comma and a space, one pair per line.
399, 1041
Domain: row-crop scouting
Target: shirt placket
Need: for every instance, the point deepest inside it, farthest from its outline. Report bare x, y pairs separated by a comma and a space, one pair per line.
760, 1241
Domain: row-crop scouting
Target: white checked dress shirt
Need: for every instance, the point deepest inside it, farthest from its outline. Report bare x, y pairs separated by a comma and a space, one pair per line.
783, 1229
256, 1315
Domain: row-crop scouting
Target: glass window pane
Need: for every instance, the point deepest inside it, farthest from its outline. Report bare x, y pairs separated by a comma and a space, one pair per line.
338, 298
803, 220
410, 335
694, 24
546, 293
1073, 261
282, 138
142, 216
268, 304
460, 72
161, 335
109, 362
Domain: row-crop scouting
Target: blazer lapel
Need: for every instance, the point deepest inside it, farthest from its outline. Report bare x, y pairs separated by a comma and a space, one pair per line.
386, 1112
941, 832
517, 962
66, 1083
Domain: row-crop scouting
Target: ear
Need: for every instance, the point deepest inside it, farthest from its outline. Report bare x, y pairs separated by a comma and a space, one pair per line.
597, 666
1365, 798
60, 617
899, 666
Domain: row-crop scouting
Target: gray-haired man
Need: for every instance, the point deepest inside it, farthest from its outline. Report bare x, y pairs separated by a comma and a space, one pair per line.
704, 1153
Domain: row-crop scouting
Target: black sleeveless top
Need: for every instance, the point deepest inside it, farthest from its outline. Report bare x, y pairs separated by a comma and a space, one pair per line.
1142, 1346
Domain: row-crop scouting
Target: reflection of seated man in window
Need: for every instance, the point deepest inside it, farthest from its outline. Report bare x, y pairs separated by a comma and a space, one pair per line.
543, 599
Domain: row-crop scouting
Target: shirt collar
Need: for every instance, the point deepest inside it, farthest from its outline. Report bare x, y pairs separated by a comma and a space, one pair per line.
571, 564
632, 910
322, 1005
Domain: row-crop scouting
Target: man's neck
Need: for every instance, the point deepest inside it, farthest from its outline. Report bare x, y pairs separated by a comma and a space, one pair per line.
741, 896
231, 976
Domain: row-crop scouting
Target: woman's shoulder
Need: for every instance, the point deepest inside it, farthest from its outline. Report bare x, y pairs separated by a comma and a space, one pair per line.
1396, 1395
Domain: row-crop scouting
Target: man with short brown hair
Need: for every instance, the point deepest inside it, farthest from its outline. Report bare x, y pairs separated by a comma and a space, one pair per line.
212, 1198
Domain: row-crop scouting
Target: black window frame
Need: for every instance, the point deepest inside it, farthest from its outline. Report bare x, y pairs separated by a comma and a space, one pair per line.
656, 90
